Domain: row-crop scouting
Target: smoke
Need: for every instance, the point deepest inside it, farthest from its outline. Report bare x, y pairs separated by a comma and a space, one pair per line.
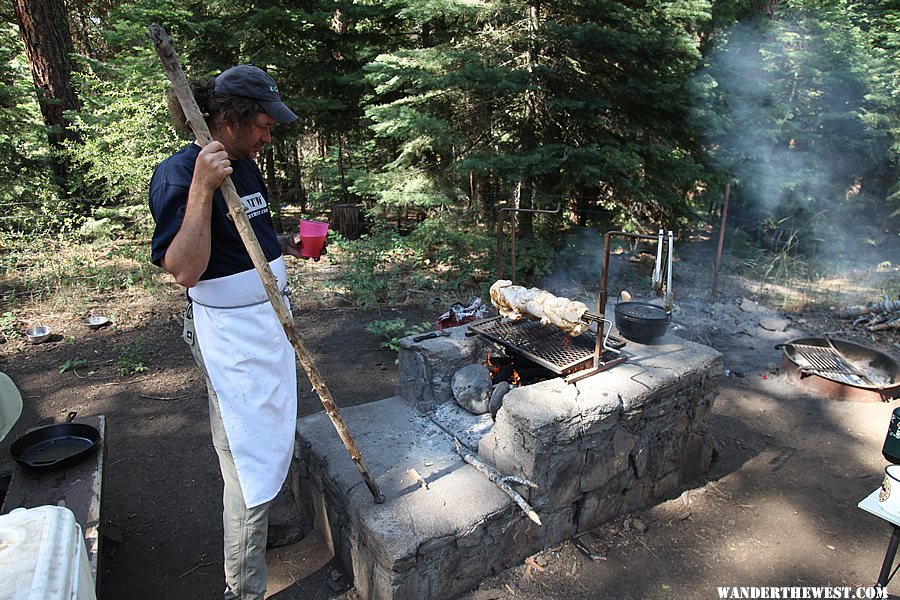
780, 106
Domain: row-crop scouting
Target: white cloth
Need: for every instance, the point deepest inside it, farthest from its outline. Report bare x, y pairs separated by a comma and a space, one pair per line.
252, 367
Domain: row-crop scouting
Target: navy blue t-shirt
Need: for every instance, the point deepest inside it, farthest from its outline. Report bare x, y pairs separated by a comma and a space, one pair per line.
168, 198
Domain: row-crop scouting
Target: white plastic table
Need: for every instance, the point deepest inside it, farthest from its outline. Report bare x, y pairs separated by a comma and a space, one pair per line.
870, 504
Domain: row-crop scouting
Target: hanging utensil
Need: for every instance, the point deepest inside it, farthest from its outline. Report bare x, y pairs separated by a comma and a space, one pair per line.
657, 277
670, 298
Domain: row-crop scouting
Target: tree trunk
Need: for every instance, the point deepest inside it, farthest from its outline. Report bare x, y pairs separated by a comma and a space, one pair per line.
44, 27
272, 185
347, 220
525, 193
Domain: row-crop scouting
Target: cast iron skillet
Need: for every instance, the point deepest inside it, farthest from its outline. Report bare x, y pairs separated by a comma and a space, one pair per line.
55, 446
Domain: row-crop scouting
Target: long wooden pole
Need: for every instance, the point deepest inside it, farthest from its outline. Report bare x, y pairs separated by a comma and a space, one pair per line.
198, 124
715, 281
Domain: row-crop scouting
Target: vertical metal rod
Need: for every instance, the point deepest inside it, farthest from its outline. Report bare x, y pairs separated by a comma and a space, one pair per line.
715, 281
885, 574
657, 268
670, 297
602, 293
512, 246
500, 244
512, 219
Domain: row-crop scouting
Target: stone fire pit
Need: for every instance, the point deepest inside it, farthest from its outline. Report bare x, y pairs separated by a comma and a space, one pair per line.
607, 445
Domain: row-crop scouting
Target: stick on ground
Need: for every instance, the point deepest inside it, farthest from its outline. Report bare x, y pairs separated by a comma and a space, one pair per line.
501, 481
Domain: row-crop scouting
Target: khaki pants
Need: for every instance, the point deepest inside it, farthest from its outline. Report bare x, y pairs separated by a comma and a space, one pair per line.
245, 528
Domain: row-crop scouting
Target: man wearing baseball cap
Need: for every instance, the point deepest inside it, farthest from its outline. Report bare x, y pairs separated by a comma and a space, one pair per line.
247, 81
235, 337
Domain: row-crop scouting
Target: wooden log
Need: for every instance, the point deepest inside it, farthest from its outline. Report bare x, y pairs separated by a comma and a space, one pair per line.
888, 306
414, 475
502, 482
895, 324
236, 210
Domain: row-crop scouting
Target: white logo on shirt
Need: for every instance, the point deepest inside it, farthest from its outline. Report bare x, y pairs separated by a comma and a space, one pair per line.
254, 205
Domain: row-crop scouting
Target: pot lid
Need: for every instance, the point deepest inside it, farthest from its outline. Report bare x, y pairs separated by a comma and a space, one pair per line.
642, 310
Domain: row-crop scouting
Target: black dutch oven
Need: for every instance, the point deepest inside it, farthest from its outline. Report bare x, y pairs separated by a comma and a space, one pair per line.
55, 446
641, 322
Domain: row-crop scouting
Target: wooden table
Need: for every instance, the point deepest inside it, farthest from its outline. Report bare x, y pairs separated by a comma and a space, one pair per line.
78, 488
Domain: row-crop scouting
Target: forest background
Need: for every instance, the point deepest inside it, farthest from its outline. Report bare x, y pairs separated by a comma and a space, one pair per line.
433, 115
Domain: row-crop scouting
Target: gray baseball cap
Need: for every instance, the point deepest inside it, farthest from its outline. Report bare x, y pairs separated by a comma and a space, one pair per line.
252, 82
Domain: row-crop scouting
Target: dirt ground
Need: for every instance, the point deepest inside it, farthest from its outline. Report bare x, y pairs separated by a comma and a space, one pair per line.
778, 508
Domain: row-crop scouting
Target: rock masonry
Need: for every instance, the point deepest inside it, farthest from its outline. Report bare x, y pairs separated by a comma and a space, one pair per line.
607, 445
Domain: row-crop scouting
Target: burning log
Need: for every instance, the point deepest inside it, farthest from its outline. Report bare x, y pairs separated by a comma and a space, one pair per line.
515, 301
502, 482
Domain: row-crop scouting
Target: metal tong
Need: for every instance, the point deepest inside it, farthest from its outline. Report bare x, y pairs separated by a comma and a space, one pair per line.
656, 279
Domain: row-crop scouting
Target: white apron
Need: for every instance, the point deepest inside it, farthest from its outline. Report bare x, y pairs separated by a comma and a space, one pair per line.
252, 367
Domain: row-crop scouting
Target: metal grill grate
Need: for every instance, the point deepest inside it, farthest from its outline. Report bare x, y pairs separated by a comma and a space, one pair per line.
546, 346
829, 363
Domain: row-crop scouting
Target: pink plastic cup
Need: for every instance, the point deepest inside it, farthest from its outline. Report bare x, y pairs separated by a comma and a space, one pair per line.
312, 237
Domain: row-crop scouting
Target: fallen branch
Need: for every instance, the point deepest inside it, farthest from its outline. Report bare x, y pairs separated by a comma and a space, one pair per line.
885, 305
200, 566
417, 478
164, 398
893, 324
501, 482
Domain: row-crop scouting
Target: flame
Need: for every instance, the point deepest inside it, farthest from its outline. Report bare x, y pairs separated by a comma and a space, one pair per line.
494, 369
515, 380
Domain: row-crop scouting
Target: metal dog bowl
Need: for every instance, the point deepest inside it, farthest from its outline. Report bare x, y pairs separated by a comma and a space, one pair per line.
96, 322
38, 334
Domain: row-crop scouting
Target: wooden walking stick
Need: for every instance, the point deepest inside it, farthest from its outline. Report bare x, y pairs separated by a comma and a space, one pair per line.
236, 210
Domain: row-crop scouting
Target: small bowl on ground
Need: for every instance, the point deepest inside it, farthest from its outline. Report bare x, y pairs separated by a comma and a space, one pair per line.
38, 334
96, 322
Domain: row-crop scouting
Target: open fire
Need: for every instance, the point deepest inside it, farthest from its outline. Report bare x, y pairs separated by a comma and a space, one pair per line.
514, 369
547, 349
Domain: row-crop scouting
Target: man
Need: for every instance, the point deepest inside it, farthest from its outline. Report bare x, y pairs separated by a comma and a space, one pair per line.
234, 334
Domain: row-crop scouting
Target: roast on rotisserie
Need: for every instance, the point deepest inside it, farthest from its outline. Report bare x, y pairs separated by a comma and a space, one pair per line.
515, 302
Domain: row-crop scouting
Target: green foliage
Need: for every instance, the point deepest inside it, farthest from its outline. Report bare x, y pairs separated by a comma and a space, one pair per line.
130, 360
533, 259
72, 364
368, 266
586, 100
392, 330
43, 267
797, 116
454, 247
450, 109
114, 222
27, 196
9, 326
124, 129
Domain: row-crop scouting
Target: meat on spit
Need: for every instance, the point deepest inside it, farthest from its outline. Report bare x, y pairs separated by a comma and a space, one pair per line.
515, 302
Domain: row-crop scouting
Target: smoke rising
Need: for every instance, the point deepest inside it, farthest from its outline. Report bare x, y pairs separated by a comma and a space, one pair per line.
781, 106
